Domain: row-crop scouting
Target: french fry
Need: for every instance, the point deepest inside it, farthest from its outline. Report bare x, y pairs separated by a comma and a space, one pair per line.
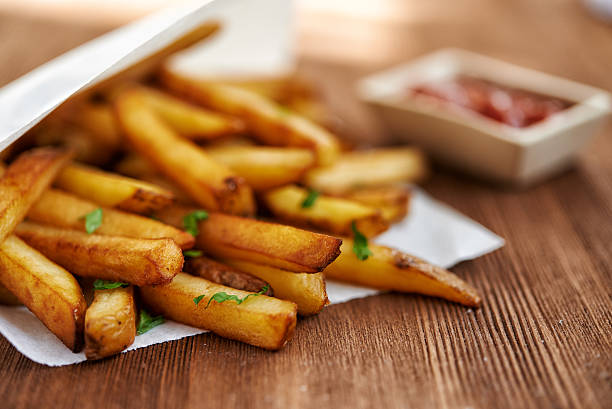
189, 120
272, 244
265, 167
330, 214
113, 190
390, 269
370, 168
135, 261
49, 291
24, 181
393, 201
7, 297
307, 291
262, 321
60, 209
271, 123
209, 183
219, 273
110, 322
98, 119
136, 166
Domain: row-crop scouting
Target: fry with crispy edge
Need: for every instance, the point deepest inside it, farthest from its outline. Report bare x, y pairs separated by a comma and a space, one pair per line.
135, 261
61, 209
49, 291
189, 120
306, 290
393, 201
271, 123
113, 190
110, 322
276, 245
220, 273
7, 297
262, 321
369, 168
209, 183
265, 167
24, 181
334, 215
390, 269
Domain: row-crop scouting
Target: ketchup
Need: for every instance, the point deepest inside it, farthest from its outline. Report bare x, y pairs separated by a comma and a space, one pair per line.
510, 106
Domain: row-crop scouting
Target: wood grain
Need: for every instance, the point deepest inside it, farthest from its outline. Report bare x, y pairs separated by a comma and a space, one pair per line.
543, 338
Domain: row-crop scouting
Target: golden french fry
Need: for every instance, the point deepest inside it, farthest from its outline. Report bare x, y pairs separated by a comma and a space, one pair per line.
306, 290
326, 213
7, 297
220, 273
49, 291
393, 201
390, 269
24, 181
370, 168
113, 190
110, 322
86, 146
209, 183
189, 120
64, 210
265, 167
262, 321
265, 243
271, 123
98, 119
136, 166
134, 261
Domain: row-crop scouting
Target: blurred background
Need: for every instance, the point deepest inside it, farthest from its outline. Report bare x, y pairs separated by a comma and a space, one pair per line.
338, 41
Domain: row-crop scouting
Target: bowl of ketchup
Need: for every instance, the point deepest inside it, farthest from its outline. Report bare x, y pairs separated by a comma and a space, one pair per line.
487, 117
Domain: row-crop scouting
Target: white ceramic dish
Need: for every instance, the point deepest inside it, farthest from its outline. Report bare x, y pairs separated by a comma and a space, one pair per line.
477, 144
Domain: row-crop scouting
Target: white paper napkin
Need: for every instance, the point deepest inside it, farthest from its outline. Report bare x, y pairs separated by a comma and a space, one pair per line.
432, 231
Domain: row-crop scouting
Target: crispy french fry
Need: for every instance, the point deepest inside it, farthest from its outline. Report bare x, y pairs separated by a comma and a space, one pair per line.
209, 183
330, 214
49, 291
260, 242
7, 297
265, 167
271, 123
393, 201
64, 210
262, 321
24, 181
371, 168
135, 261
306, 290
189, 120
390, 269
113, 190
225, 275
110, 322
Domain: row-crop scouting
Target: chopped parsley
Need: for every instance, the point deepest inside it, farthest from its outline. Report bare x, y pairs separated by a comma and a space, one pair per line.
93, 220
192, 253
190, 221
147, 322
108, 285
360, 244
310, 199
223, 296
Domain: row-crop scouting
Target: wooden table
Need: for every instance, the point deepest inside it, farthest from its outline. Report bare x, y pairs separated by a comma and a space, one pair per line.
543, 338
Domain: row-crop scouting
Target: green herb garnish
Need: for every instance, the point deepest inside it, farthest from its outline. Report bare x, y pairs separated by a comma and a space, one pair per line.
360, 244
223, 296
192, 253
310, 199
108, 285
190, 221
93, 220
146, 322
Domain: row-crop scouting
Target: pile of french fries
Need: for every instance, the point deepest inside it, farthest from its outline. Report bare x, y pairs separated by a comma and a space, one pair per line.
220, 205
